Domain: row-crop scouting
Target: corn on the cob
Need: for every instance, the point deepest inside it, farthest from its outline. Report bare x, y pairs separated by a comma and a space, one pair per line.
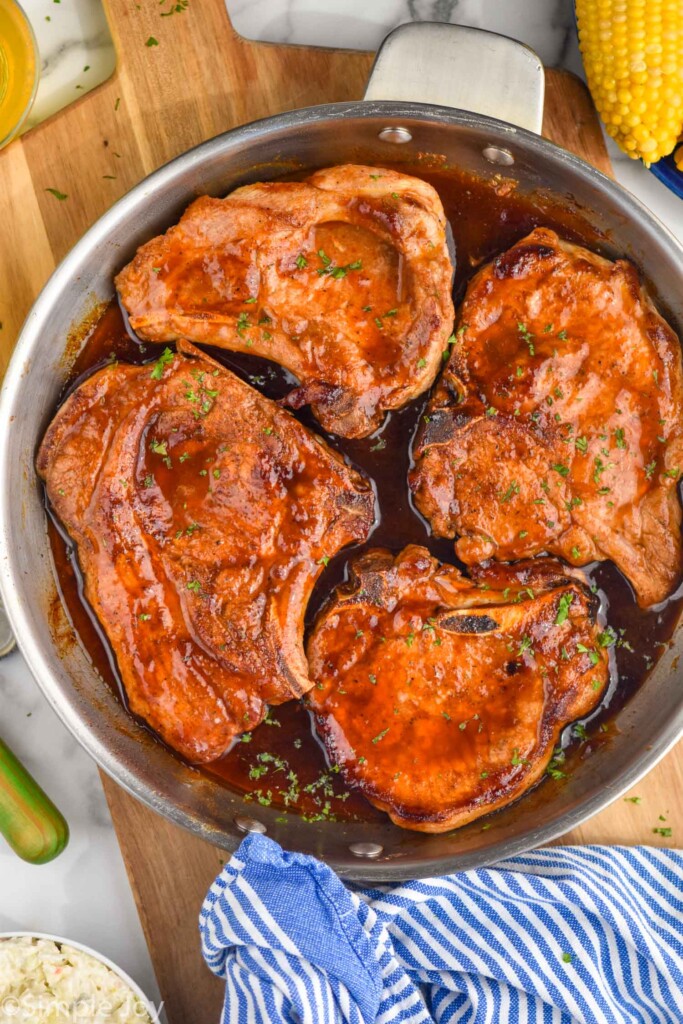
633, 55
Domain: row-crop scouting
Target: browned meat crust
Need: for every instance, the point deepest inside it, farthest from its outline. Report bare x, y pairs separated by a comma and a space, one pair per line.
557, 425
443, 698
344, 279
202, 515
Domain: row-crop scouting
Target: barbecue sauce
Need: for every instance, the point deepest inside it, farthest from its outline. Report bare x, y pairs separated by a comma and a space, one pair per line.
282, 762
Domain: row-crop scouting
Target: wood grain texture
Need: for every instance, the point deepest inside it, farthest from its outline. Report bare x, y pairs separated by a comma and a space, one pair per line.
202, 79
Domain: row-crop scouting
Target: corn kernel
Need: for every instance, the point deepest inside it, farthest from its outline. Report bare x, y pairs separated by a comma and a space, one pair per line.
632, 55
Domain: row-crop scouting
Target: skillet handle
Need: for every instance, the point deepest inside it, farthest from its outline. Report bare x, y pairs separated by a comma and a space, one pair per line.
457, 66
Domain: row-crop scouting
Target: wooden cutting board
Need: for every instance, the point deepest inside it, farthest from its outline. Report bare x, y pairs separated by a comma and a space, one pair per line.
180, 80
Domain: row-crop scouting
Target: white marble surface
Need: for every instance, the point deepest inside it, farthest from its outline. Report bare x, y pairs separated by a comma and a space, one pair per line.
76, 52
85, 894
545, 25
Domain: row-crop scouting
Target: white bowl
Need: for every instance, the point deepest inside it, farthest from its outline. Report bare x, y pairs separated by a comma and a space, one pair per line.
125, 978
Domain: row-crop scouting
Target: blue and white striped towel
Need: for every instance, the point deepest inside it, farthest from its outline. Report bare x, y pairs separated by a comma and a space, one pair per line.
591, 934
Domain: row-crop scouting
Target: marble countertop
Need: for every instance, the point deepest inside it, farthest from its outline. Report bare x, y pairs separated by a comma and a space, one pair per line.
84, 894
76, 52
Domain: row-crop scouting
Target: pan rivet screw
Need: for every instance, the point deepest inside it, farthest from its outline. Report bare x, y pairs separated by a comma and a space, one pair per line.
397, 134
249, 824
496, 155
366, 849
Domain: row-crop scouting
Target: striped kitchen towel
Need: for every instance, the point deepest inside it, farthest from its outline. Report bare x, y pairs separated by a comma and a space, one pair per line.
591, 934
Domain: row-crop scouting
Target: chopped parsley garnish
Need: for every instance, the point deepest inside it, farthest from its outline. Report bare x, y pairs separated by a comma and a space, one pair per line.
242, 324
511, 490
554, 770
301, 261
164, 359
666, 832
575, 552
195, 586
593, 655
560, 468
607, 638
673, 474
328, 268
525, 645
600, 468
421, 363
526, 336
567, 958
650, 468
582, 444
563, 608
57, 194
516, 759
380, 736
152, 41
633, 799
324, 560
619, 437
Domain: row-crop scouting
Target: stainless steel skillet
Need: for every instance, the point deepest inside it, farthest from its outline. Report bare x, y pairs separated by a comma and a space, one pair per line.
426, 79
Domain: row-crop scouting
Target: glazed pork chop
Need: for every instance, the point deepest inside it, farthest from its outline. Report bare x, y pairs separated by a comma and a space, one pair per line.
344, 279
557, 425
202, 514
443, 698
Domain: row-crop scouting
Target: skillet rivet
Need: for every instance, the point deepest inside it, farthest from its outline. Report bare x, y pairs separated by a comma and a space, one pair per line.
249, 824
497, 155
396, 134
366, 849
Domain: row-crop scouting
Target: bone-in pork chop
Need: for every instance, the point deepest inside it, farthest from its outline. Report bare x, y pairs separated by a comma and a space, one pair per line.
443, 698
202, 515
344, 279
557, 425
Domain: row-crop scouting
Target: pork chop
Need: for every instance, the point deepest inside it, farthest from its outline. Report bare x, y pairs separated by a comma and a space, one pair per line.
202, 515
557, 425
344, 279
443, 698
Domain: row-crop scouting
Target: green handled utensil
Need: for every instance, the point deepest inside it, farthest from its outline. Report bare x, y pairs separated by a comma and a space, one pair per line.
29, 820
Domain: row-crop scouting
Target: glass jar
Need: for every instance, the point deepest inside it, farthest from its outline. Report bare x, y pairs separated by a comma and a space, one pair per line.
19, 69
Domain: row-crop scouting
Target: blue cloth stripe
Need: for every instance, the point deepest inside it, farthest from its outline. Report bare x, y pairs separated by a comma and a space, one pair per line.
482, 947
520, 888
618, 908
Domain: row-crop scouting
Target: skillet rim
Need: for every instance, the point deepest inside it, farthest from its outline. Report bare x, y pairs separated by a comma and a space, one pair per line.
28, 345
